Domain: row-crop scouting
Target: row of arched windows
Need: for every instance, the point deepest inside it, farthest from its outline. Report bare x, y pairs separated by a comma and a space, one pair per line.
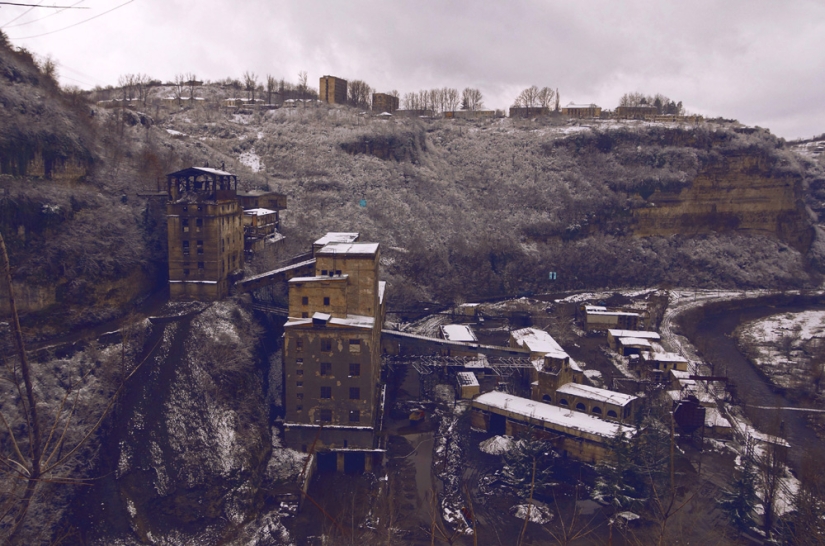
595, 410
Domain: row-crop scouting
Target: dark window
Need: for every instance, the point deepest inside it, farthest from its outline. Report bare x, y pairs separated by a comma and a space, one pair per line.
338, 272
326, 345
323, 272
201, 265
326, 368
597, 410
185, 208
546, 398
299, 372
304, 314
581, 407
299, 407
326, 300
354, 393
199, 221
355, 345
326, 392
200, 208
611, 413
325, 415
185, 271
354, 369
186, 248
354, 416
299, 383
299, 344
563, 402
200, 250
304, 300
300, 396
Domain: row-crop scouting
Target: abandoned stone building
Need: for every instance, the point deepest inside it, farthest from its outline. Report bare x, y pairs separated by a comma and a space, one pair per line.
384, 102
209, 231
332, 90
333, 388
205, 233
598, 318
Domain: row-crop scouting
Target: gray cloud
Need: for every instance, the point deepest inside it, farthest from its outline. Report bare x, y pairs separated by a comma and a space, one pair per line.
758, 61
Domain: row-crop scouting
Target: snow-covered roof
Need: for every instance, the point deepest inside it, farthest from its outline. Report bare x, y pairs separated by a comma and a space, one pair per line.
337, 237
634, 333
571, 105
553, 417
258, 212
318, 278
467, 379
594, 393
382, 287
634, 342
353, 249
458, 332
355, 321
537, 341
665, 357
593, 308
613, 313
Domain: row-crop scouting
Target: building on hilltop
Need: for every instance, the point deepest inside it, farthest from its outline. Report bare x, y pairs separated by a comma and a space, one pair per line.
205, 233
383, 102
582, 110
641, 111
333, 388
332, 90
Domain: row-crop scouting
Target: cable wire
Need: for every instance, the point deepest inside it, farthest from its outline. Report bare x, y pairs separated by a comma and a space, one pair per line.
76, 24
41, 18
22, 14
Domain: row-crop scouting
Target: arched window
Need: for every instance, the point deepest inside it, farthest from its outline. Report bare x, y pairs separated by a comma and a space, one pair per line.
581, 407
546, 398
612, 414
597, 410
563, 401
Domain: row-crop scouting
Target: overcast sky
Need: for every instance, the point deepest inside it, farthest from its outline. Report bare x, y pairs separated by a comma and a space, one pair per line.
759, 61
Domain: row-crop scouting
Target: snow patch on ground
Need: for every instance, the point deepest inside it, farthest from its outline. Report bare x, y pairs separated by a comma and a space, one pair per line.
537, 513
497, 445
252, 160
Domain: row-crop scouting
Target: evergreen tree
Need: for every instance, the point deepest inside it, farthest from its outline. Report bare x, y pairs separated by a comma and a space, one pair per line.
739, 502
518, 469
619, 481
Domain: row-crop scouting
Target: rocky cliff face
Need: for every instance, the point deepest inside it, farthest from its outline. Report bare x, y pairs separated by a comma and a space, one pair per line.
191, 444
737, 192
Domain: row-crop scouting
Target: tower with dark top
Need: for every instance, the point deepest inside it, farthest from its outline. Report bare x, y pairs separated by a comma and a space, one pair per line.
205, 233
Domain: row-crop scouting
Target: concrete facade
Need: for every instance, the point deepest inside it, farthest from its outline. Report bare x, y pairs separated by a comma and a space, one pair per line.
382, 102
332, 90
582, 110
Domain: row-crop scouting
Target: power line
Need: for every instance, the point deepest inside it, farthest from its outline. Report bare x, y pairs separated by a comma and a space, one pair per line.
22, 14
36, 20
76, 24
38, 5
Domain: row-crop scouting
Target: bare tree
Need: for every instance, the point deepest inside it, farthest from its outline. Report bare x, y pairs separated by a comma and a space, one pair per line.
529, 98
142, 85
471, 99
250, 84
545, 97
303, 87
451, 99
191, 82
271, 86
359, 93
179, 84
126, 83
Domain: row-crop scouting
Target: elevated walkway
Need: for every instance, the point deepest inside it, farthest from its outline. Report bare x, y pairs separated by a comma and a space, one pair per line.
300, 269
393, 341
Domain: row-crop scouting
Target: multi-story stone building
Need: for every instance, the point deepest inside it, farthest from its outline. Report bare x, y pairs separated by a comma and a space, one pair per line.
205, 233
383, 102
332, 90
332, 357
